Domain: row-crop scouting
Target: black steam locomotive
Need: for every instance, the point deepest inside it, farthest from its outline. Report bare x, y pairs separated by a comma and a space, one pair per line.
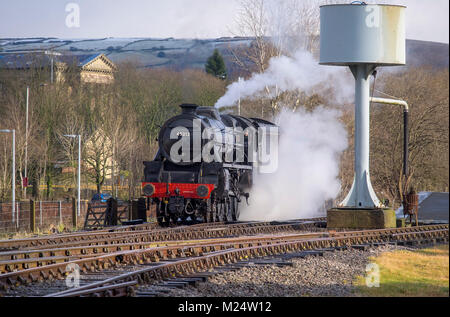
204, 165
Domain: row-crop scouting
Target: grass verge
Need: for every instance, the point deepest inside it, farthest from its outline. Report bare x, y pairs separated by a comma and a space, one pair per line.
417, 273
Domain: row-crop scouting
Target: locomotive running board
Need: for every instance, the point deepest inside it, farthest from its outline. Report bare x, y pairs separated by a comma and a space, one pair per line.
242, 167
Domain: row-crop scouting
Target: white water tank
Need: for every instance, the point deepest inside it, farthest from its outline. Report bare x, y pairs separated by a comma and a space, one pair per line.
353, 34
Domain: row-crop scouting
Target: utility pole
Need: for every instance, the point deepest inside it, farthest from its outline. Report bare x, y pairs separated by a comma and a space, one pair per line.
13, 176
79, 175
25, 184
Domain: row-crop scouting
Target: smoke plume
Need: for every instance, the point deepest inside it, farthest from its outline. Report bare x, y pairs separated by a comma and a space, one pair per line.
309, 149
299, 72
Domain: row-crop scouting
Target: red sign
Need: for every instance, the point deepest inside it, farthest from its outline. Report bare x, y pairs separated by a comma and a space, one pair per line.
25, 182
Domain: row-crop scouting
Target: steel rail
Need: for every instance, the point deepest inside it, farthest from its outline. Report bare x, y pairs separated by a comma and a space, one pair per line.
152, 236
154, 255
158, 234
39, 258
115, 290
161, 251
22, 260
202, 263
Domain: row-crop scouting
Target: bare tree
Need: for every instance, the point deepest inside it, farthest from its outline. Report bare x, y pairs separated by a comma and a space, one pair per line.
426, 92
97, 156
5, 167
276, 27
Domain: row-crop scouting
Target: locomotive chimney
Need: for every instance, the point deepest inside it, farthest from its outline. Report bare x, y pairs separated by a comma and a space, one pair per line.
188, 108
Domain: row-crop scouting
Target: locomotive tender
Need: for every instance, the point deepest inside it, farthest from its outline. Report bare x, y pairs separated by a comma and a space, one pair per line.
205, 164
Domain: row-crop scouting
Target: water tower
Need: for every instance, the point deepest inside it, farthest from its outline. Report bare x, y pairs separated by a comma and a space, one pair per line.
363, 37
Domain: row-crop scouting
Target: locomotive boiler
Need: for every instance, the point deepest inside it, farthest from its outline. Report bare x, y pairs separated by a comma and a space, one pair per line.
204, 165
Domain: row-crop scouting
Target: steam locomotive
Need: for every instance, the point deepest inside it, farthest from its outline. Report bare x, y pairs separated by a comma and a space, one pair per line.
204, 166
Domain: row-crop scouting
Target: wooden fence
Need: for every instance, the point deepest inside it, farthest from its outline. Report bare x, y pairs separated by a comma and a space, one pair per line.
33, 216
40, 215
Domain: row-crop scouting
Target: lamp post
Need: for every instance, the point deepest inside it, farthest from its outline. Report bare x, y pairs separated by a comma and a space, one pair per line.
25, 185
13, 176
79, 171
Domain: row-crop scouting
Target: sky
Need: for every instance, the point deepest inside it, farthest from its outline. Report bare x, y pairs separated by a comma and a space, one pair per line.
426, 19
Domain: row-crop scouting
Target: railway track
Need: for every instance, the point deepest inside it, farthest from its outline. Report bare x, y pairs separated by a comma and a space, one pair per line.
25, 255
117, 272
157, 256
16, 259
200, 231
184, 268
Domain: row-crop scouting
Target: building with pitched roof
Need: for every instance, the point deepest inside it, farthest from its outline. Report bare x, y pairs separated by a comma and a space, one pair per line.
95, 68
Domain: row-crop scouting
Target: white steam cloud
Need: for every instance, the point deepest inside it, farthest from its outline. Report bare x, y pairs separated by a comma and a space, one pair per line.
299, 72
310, 143
307, 176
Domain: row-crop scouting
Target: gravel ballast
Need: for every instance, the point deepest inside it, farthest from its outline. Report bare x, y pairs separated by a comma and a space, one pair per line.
332, 274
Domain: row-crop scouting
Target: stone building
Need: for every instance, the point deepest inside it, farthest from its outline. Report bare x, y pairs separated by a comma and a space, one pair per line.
95, 68
58, 67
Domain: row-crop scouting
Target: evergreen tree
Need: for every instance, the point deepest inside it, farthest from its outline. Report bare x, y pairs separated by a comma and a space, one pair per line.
215, 65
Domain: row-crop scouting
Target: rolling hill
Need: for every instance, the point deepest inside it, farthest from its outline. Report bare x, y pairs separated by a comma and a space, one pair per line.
187, 53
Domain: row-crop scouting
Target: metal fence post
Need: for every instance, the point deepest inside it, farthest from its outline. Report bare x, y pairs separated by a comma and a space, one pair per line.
59, 210
74, 214
111, 213
142, 209
130, 205
17, 215
40, 213
134, 210
32, 216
